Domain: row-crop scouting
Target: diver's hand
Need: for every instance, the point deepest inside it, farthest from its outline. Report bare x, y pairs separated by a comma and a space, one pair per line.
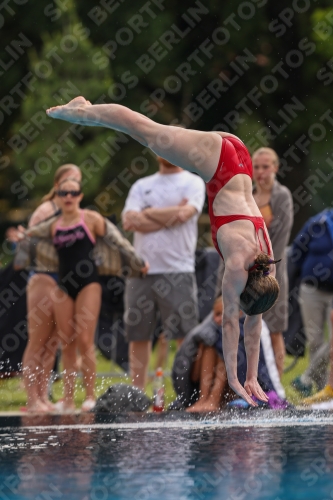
239, 389
253, 388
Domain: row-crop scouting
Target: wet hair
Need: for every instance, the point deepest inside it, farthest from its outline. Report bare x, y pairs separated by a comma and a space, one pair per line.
269, 151
60, 172
261, 290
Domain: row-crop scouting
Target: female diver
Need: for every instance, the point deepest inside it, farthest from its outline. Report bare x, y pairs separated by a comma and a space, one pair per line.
238, 229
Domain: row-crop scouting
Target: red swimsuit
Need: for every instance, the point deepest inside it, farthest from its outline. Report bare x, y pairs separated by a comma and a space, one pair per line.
234, 159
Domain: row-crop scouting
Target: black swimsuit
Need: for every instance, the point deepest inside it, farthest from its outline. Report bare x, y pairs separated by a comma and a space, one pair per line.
77, 268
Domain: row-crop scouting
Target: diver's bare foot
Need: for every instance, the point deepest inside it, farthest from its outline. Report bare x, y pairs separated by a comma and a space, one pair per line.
70, 111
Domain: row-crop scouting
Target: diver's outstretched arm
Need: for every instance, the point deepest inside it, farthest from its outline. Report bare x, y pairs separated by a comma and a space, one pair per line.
190, 149
252, 333
233, 283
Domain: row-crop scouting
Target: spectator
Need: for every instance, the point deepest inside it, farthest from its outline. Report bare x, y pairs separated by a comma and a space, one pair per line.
208, 369
162, 210
81, 257
39, 355
326, 394
311, 255
79, 296
276, 206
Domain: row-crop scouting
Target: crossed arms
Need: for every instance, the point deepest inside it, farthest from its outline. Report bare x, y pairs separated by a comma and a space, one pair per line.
153, 219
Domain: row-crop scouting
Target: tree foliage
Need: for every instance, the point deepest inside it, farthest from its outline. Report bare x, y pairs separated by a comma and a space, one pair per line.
63, 69
250, 68
259, 69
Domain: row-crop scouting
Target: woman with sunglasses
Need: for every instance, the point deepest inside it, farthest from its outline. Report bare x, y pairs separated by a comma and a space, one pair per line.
39, 355
79, 299
66, 245
238, 229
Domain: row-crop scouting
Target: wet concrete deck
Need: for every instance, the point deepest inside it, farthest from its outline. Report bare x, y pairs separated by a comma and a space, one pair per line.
226, 418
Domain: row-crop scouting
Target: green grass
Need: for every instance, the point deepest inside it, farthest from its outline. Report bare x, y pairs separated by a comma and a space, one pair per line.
292, 395
12, 394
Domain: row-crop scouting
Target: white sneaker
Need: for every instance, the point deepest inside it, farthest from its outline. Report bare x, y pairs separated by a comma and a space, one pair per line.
88, 405
59, 407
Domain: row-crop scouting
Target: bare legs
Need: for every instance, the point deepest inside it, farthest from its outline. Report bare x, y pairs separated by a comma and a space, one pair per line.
139, 354
279, 350
42, 344
162, 348
87, 308
209, 370
205, 147
64, 315
76, 324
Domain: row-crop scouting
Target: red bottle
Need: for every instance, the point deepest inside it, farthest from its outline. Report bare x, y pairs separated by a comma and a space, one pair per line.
158, 405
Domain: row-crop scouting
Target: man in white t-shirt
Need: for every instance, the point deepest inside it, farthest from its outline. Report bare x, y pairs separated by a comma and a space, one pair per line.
162, 210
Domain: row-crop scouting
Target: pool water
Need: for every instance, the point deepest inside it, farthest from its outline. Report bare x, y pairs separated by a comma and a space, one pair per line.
264, 455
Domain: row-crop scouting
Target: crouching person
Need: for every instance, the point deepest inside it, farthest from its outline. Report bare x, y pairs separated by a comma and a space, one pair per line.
199, 375
208, 370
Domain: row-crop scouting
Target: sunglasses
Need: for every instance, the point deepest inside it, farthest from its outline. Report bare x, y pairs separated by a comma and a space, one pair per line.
62, 193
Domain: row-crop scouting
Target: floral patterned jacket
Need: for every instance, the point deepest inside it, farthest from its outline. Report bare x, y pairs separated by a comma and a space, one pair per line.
113, 253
